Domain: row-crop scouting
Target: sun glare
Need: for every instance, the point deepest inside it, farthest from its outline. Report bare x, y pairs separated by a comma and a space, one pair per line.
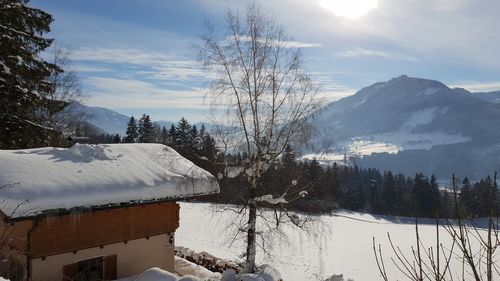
351, 9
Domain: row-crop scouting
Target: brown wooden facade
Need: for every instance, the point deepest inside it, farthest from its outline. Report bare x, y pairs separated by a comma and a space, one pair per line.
43, 237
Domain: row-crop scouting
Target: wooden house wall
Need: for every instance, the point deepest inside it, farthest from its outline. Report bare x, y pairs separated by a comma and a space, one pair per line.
56, 235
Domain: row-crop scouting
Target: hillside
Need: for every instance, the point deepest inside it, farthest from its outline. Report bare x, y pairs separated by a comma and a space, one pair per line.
110, 121
412, 124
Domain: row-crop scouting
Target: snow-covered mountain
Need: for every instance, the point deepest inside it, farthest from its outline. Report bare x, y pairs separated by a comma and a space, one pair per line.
114, 122
104, 118
490, 96
410, 125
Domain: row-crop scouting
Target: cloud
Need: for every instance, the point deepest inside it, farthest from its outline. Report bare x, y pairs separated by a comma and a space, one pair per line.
361, 52
284, 43
120, 93
444, 30
475, 86
86, 68
154, 65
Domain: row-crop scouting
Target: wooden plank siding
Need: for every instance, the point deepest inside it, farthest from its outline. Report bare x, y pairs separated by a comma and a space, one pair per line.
67, 233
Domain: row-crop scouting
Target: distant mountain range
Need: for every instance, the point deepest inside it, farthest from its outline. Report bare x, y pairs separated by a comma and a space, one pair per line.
104, 118
405, 124
112, 121
413, 125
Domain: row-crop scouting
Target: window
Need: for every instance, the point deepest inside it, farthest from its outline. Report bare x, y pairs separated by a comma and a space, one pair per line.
95, 269
90, 270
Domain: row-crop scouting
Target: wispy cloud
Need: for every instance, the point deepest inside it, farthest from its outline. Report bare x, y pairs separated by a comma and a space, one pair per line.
361, 52
152, 64
120, 93
86, 68
284, 43
475, 86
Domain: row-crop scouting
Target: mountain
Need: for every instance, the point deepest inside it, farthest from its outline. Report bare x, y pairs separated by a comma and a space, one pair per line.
113, 122
413, 125
104, 118
489, 96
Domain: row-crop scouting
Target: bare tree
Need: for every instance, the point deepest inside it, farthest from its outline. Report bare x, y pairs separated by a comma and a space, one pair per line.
60, 112
473, 246
262, 97
11, 254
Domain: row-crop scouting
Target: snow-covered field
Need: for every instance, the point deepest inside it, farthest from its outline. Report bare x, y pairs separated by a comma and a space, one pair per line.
341, 244
391, 143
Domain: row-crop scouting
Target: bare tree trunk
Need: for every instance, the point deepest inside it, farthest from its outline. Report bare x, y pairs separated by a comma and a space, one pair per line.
251, 238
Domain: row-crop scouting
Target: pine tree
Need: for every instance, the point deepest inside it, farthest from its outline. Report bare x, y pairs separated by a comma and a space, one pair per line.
183, 137
194, 139
23, 75
435, 196
132, 134
164, 135
172, 133
146, 129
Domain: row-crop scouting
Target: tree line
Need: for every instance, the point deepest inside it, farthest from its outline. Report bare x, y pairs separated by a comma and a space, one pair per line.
328, 187
336, 185
185, 138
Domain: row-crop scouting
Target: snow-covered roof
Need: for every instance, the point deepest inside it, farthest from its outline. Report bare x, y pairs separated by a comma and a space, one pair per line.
36, 180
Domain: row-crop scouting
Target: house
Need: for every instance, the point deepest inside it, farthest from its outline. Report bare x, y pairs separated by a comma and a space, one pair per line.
93, 212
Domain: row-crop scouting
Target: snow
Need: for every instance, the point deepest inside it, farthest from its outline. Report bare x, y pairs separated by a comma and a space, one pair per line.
340, 243
156, 274
188, 278
269, 199
6, 69
392, 142
421, 117
430, 91
263, 273
185, 267
44, 179
232, 172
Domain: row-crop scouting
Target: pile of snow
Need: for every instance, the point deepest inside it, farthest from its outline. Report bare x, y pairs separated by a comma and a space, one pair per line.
91, 152
36, 180
206, 260
185, 267
263, 273
157, 274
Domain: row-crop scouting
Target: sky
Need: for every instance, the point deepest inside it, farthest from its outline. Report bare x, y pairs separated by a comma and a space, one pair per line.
137, 57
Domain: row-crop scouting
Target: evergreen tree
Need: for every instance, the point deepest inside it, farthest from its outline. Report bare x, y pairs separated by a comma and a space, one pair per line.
209, 150
486, 193
24, 76
132, 133
194, 139
164, 136
467, 199
146, 129
117, 138
183, 138
435, 196
172, 134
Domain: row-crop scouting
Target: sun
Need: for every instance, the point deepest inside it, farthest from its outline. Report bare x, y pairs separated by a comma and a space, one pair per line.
351, 9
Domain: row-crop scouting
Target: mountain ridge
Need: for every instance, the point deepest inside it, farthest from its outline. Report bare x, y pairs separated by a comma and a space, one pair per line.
389, 121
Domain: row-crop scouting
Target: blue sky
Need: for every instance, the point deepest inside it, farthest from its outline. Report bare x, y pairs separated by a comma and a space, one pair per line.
136, 56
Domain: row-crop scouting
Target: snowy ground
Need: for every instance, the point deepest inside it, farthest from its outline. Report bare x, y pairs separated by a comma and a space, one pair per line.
343, 247
391, 143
